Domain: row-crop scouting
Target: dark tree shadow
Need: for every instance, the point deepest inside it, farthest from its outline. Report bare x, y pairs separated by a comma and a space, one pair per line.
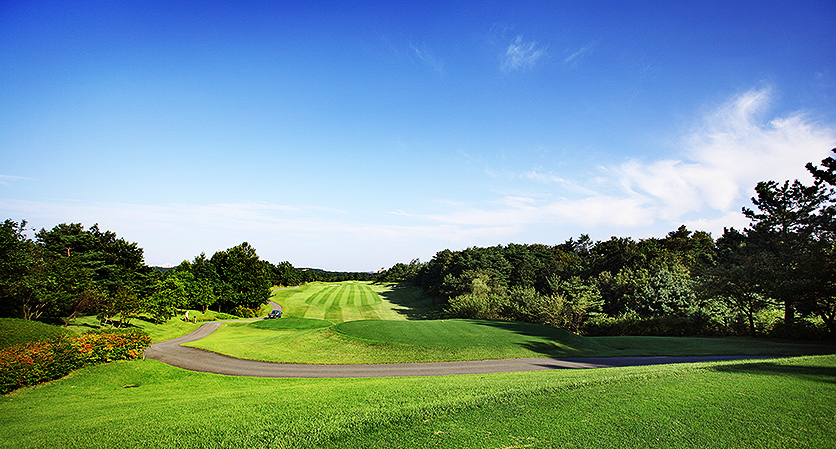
412, 302
826, 374
550, 341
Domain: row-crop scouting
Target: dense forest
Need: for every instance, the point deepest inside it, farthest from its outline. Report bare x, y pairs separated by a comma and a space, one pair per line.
776, 277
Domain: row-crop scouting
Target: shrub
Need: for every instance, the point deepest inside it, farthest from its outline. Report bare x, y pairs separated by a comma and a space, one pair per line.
111, 344
243, 312
801, 329
39, 361
468, 306
631, 323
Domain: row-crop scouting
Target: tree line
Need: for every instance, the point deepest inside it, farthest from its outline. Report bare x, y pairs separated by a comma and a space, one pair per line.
685, 283
776, 276
71, 270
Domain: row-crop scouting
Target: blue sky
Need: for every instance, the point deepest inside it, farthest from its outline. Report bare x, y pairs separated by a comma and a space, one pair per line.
353, 137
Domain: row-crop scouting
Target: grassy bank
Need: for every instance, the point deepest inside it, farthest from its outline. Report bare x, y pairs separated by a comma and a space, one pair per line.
770, 403
173, 328
15, 330
294, 340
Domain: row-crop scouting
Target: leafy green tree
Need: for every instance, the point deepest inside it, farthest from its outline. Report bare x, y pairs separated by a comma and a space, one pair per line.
55, 287
736, 278
782, 228
114, 262
822, 297
574, 301
127, 305
17, 255
170, 293
201, 281
244, 279
666, 294
285, 274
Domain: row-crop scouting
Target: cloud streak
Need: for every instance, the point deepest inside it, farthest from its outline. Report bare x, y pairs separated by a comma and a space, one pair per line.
521, 55
578, 55
726, 153
719, 160
428, 58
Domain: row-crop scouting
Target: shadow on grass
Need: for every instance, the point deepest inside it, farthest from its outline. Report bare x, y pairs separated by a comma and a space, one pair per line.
553, 349
825, 374
412, 302
548, 340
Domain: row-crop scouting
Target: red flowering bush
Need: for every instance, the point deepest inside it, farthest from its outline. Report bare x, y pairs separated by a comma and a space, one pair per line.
39, 361
106, 346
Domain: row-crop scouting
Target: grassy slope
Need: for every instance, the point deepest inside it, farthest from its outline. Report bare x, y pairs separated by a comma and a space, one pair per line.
773, 403
14, 331
452, 340
173, 328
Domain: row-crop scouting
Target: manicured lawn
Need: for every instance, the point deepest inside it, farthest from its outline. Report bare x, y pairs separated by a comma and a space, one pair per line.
779, 403
348, 301
294, 340
783, 403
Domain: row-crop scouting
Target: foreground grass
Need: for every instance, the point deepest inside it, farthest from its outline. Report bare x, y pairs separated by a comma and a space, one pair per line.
763, 404
294, 340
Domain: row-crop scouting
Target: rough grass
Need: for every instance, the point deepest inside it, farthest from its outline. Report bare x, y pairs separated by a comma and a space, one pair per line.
15, 331
782, 403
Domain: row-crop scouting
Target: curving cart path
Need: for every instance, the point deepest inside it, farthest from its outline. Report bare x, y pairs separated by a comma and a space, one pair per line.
171, 353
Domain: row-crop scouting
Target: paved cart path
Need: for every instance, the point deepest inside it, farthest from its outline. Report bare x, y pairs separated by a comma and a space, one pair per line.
171, 353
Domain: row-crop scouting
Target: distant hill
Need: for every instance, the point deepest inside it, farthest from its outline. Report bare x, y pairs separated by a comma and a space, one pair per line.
164, 268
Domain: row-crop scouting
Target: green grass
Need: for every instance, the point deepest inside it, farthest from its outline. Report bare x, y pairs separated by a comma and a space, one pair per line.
782, 403
337, 302
172, 328
402, 339
379, 341
15, 331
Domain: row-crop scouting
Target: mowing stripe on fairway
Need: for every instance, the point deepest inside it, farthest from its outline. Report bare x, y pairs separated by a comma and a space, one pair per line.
352, 290
329, 292
315, 309
369, 296
319, 309
385, 313
315, 297
351, 312
302, 310
338, 302
334, 313
369, 313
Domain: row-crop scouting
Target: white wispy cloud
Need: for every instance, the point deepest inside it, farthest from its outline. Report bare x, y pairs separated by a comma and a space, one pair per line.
569, 185
578, 55
7, 179
720, 160
521, 55
727, 153
428, 58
